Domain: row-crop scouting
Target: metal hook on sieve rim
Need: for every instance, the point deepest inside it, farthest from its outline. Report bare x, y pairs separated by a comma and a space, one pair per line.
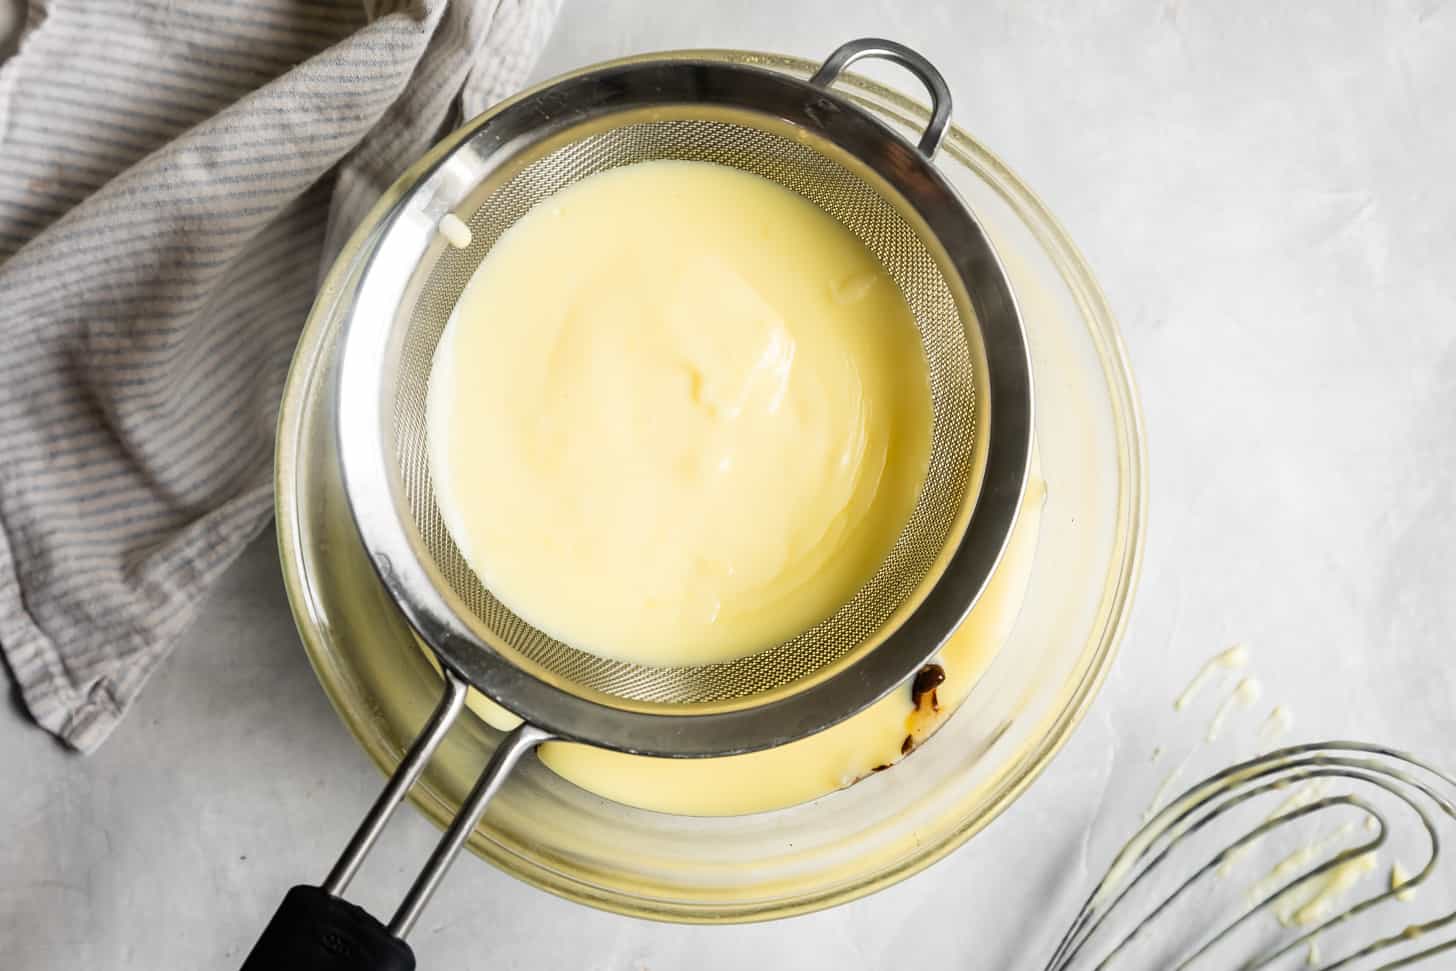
877, 48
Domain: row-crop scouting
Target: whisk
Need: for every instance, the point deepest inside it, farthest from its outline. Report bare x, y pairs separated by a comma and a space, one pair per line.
1119, 918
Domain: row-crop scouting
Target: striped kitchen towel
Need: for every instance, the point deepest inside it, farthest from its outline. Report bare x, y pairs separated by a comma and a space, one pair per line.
174, 177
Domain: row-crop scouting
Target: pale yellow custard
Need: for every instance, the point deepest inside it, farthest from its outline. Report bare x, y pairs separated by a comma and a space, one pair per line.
678, 416
819, 764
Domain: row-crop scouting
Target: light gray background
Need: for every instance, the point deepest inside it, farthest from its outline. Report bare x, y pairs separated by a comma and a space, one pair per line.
1267, 192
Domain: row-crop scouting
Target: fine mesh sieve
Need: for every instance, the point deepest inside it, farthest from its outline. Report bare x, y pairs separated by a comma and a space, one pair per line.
856, 204
818, 145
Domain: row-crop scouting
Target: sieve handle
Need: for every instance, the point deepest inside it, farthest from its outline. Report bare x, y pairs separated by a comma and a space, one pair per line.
315, 929
888, 50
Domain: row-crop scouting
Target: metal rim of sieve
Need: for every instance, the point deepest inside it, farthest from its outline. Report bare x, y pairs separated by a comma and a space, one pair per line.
404, 233
391, 281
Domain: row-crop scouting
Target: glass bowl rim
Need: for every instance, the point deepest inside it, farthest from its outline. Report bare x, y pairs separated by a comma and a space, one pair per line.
1118, 588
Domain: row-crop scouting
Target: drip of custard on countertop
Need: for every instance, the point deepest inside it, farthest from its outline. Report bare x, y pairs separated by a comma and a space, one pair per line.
679, 415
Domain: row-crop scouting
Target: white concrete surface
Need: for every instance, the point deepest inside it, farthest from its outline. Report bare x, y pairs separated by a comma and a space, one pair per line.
1265, 190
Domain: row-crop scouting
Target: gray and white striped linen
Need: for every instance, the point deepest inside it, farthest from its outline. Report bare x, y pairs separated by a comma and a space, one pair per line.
173, 179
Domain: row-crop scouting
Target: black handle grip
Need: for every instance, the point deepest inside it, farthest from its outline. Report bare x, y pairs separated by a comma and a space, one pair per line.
313, 931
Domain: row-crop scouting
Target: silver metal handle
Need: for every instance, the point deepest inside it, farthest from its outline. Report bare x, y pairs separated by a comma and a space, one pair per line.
507, 754
523, 739
406, 774
924, 71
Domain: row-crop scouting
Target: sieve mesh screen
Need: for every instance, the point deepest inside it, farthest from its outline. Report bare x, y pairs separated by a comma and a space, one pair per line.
858, 206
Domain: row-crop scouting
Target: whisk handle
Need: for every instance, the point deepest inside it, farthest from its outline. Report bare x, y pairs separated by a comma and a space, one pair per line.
315, 931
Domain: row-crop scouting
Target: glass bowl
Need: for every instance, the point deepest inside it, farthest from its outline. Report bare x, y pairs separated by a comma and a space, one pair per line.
846, 844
